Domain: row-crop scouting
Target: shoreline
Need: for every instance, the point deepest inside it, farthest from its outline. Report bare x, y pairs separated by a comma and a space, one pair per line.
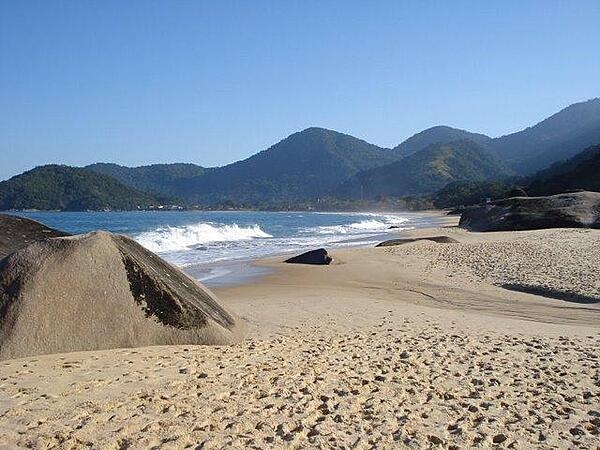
236, 272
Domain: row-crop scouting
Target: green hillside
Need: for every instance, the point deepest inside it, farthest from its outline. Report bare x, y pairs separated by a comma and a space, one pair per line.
580, 172
157, 178
556, 138
55, 187
305, 165
439, 135
426, 171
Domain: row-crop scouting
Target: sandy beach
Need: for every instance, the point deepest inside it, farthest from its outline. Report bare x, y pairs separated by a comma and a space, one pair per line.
493, 341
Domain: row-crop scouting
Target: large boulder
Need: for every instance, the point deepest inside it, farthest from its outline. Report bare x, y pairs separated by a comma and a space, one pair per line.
317, 257
18, 232
101, 291
572, 210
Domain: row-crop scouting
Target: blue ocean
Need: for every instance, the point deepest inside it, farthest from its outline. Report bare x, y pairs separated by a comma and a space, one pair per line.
216, 246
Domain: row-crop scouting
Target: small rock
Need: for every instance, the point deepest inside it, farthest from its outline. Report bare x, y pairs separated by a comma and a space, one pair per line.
499, 438
435, 440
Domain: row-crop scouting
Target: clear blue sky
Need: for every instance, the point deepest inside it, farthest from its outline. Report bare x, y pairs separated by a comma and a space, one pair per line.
213, 82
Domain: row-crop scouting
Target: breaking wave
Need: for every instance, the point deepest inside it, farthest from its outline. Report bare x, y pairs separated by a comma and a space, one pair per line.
171, 239
364, 226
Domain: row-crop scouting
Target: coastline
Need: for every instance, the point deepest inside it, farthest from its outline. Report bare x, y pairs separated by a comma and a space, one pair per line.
236, 272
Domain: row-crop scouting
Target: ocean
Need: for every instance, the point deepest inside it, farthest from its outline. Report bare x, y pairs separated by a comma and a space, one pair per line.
217, 247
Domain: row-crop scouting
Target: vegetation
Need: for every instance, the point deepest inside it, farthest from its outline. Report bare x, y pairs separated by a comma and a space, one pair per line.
305, 165
580, 172
426, 171
319, 169
439, 135
459, 194
55, 187
557, 138
161, 179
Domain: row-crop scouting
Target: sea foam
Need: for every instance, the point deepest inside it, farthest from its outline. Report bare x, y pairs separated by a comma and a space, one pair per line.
172, 239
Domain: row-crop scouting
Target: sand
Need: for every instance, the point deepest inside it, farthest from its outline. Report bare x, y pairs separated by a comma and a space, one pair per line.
412, 346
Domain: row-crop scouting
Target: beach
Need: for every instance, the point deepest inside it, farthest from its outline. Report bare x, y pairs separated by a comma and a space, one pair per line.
492, 341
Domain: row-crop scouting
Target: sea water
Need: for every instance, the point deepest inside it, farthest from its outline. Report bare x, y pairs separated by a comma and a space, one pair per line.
217, 246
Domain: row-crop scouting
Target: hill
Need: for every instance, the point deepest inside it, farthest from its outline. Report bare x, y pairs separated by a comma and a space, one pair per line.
156, 178
554, 139
438, 135
579, 172
427, 171
304, 165
55, 187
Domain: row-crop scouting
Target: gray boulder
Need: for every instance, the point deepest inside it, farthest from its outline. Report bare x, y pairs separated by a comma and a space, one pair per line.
101, 291
571, 210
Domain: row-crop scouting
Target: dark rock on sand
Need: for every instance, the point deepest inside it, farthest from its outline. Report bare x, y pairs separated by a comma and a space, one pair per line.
18, 232
318, 256
572, 210
101, 291
438, 239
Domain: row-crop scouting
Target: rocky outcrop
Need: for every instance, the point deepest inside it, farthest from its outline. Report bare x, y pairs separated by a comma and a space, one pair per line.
18, 232
572, 210
101, 291
317, 257
438, 239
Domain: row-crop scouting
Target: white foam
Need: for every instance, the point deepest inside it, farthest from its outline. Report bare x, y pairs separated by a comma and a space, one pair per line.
378, 223
171, 239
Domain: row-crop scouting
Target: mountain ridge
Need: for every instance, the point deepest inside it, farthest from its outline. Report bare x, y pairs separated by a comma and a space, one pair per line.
426, 171
439, 134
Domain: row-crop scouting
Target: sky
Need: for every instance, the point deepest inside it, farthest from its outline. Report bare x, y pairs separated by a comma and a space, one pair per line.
212, 82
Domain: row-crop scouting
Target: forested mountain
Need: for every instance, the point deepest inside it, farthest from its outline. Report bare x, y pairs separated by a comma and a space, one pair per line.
55, 187
439, 135
155, 178
556, 138
304, 165
579, 172
317, 162
426, 171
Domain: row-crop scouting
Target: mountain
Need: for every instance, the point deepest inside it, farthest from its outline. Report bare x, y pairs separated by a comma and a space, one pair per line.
304, 165
157, 178
55, 187
579, 172
554, 139
439, 135
427, 171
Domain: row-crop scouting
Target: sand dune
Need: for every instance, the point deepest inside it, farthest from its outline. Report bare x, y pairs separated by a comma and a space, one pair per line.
414, 346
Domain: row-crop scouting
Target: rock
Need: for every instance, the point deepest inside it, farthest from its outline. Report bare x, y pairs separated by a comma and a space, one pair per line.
572, 210
499, 438
102, 291
318, 256
438, 239
18, 232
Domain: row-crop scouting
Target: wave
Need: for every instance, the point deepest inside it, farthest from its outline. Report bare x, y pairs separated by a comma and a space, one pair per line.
171, 239
383, 223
